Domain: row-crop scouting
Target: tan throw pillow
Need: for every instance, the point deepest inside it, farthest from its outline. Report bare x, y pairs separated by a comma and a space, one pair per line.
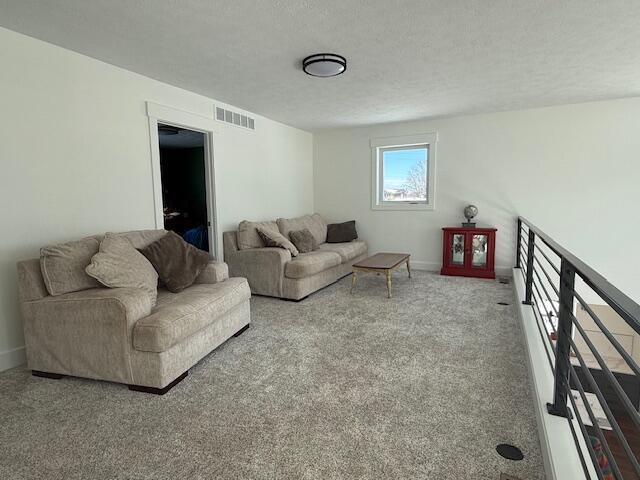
63, 266
304, 240
273, 238
248, 236
119, 265
177, 263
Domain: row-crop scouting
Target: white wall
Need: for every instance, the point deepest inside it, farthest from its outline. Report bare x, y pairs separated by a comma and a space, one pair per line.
573, 170
75, 159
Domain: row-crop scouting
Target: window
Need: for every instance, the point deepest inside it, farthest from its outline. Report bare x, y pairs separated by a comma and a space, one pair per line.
404, 173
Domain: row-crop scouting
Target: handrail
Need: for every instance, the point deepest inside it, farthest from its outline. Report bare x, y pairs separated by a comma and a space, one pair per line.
621, 303
557, 326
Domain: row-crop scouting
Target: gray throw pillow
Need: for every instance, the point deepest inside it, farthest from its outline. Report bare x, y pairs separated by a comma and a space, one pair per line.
272, 238
178, 263
119, 265
303, 240
341, 232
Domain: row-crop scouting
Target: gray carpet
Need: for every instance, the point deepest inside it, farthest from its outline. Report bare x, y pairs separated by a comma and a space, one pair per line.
423, 385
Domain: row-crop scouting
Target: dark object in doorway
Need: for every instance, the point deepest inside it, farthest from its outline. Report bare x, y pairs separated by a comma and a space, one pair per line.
198, 237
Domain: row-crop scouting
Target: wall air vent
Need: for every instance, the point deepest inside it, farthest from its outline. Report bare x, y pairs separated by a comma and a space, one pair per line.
235, 118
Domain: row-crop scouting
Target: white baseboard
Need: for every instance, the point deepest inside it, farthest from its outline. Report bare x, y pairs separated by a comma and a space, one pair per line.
12, 358
427, 266
501, 271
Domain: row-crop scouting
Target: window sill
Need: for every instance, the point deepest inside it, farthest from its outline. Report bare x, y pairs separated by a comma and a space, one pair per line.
403, 206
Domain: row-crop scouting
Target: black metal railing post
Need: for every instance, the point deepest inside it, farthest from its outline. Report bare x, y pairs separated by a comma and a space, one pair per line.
518, 243
561, 387
529, 279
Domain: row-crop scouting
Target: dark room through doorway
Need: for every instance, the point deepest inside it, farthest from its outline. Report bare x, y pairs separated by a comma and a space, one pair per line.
184, 184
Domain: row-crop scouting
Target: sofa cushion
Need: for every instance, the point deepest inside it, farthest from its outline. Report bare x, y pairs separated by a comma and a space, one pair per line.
177, 316
347, 250
314, 223
63, 266
178, 263
119, 265
248, 236
273, 238
307, 264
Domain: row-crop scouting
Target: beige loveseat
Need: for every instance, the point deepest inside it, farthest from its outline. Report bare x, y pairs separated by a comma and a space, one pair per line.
109, 334
274, 272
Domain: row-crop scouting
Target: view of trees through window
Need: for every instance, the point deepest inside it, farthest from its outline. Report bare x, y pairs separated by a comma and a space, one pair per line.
404, 174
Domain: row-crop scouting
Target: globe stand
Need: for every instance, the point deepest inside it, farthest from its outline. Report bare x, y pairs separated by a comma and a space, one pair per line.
470, 211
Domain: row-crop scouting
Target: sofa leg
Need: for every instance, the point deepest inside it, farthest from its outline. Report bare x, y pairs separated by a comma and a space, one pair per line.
159, 391
241, 331
54, 376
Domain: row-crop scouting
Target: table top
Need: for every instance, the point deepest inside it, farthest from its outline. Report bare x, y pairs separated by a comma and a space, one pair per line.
469, 229
383, 261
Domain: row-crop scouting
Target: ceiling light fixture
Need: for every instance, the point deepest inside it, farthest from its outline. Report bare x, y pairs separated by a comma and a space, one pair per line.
324, 65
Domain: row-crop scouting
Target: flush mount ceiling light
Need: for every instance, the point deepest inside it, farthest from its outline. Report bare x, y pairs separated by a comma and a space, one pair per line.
324, 65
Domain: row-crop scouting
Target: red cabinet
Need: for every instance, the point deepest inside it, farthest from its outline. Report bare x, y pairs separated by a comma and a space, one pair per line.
468, 252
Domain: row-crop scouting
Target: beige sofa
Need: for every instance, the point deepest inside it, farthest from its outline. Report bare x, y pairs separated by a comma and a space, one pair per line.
274, 272
108, 333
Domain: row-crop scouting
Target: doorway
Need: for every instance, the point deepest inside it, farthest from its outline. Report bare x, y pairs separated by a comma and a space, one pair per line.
183, 179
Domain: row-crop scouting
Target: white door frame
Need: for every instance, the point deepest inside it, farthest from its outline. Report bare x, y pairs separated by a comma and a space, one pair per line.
179, 118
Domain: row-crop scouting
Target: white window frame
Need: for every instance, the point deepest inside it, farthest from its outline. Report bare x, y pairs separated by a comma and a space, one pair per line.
379, 145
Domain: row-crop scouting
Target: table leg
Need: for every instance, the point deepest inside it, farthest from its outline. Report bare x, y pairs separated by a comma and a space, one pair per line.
408, 268
388, 283
354, 280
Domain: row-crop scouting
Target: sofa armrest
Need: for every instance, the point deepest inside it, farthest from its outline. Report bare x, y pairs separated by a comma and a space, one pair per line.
214, 272
86, 334
262, 267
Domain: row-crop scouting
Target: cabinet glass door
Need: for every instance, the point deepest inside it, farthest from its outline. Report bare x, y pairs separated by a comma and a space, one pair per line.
479, 250
457, 250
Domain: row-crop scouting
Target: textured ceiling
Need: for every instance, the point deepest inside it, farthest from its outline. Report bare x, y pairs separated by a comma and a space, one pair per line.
408, 59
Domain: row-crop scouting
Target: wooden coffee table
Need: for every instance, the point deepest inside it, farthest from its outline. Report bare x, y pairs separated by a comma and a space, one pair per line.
380, 263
